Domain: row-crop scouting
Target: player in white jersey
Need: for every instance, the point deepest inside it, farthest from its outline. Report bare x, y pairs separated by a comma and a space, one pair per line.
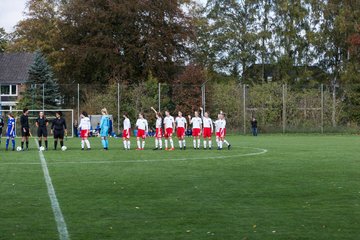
142, 127
196, 129
208, 128
126, 131
181, 125
158, 131
169, 125
224, 127
85, 130
219, 124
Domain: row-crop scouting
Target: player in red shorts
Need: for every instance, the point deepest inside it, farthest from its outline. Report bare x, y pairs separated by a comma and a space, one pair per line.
143, 128
208, 127
85, 130
181, 125
219, 125
158, 133
224, 131
169, 125
126, 131
196, 129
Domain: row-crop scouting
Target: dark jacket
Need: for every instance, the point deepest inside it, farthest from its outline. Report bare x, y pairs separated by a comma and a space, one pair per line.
24, 121
58, 124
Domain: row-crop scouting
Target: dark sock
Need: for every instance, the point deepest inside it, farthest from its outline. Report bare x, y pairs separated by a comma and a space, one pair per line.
55, 144
22, 145
61, 143
40, 143
27, 144
46, 144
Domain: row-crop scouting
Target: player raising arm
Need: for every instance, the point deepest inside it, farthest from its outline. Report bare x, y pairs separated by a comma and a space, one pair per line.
158, 131
208, 127
169, 125
181, 125
143, 128
126, 131
85, 126
196, 129
10, 132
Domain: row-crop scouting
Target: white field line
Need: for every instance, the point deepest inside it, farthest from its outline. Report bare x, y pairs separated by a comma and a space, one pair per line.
60, 222
260, 151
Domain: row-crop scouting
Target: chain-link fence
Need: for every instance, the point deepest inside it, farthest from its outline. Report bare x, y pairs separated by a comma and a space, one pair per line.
278, 108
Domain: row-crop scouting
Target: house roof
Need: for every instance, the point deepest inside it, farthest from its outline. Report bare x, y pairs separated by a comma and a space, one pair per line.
14, 67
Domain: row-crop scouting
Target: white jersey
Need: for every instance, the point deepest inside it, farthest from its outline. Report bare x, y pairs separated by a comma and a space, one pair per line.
169, 121
208, 123
85, 123
158, 122
127, 124
142, 124
219, 124
180, 122
196, 122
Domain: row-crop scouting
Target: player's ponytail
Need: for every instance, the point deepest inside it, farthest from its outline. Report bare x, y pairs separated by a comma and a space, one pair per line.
104, 110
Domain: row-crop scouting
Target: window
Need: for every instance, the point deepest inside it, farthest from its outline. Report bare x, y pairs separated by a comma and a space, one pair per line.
8, 90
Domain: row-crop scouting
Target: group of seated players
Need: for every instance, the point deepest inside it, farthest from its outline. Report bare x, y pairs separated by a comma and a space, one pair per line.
165, 128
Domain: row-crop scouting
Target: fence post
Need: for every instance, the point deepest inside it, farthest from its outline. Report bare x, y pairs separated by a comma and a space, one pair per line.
159, 95
334, 107
322, 108
78, 102
43, 93
244, 106
118, 107
203, 97
284, 107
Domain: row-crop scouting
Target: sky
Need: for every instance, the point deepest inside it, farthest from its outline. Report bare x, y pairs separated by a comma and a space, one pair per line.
11, 11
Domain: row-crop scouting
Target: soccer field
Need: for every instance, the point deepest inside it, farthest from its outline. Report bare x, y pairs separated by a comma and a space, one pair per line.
268, 187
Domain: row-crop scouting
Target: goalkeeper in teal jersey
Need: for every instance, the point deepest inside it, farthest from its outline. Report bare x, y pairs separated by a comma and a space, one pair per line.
104, 126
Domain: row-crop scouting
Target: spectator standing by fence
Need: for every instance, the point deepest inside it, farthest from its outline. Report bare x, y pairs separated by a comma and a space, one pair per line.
254, 129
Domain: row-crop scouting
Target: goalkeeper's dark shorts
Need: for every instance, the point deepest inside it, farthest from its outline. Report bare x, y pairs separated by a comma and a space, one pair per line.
59, 134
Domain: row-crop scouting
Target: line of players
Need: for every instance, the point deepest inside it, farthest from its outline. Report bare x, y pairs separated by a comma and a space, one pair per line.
58, 129
200, 125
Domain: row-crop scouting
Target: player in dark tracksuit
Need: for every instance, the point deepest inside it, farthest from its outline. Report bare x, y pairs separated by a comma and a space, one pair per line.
42, 123
58, 128
25, 128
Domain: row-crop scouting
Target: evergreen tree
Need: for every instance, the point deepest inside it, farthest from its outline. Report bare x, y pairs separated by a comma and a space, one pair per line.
41, 85
3, 40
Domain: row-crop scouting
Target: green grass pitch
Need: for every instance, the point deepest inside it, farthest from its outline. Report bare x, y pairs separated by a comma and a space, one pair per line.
303, 187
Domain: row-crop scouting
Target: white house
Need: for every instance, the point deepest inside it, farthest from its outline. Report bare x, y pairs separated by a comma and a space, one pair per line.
14, 68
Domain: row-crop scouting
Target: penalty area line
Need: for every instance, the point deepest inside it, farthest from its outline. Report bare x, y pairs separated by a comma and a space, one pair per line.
260, 151
59, 218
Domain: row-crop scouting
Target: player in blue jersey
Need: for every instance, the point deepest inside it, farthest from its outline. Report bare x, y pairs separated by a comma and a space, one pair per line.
104, 125
10, 132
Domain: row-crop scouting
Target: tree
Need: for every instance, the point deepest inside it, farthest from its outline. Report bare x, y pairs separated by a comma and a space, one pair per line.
41, 85
3, 40
186, 92
122, 41
232, 34
38, 31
